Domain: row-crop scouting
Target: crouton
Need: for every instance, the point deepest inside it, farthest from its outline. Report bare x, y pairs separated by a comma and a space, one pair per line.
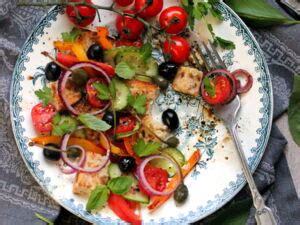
188, 81
158, 128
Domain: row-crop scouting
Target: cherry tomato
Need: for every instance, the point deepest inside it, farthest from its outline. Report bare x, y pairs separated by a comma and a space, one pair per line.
92, 93
177, 48
156, 177
223, 89
81, 15
150, 11
123, 210
126, 124
138, 43
42, 117
129, 28
173, 19
124, 3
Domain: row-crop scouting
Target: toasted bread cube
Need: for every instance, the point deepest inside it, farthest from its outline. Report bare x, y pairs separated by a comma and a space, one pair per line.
159, 129
86, 182
188, 81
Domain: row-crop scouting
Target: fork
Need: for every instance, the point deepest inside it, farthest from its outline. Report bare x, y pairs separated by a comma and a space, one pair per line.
228, 113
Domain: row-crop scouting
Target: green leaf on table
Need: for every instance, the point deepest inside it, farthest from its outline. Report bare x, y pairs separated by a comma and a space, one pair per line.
259, 13
120, 185
146, 51
45, 95
102, 90
225, 44
138, 103
144, 149
71, 36
44, 219
294, 111
97, 198
93, 122
63, 124
209, 86
124, 70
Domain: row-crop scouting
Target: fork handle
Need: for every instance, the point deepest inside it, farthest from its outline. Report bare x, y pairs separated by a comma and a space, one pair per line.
263, 215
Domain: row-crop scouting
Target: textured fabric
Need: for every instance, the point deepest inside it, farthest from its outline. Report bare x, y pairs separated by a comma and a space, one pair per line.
21, 196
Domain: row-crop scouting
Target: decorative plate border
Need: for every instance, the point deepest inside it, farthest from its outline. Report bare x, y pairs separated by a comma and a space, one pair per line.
199, 213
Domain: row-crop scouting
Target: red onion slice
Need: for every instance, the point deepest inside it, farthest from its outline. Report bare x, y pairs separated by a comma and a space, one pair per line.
77, 167
247, 76
64, 166
63, 81
142, 178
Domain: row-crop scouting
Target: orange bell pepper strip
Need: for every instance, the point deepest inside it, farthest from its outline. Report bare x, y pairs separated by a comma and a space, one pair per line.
129, 142
157, 201
63, 46
102, 33
86, 144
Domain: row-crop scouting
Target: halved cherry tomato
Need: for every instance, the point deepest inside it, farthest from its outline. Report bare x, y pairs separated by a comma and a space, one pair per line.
223, 89
148, 11
124, 3
156, 177
122, 209
92, 93
81, 15
138, 43
177, 48
42, 117
126, 124
129, 28
173, 19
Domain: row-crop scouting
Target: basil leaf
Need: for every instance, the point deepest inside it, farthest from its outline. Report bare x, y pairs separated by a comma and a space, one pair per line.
146, 51
71, 36
93, 122
125, 71
120, 185
225, 44
102, 90
63, 124
209, 87
138, 103
98, 198
259, 13
45, 95
294, 111
144, 149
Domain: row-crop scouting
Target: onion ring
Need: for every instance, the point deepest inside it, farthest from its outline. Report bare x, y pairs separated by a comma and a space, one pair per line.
248, 77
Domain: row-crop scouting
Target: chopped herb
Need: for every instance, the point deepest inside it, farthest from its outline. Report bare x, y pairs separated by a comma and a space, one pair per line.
225, 44
63, 124
125, 71
93, 122
144, 149
45, 95
138, 103
102, 90
120, 185
71, 36
209, 87
146, 51
98, 198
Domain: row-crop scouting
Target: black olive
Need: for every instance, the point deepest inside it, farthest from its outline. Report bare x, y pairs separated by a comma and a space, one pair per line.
127, 164
170, 119
95, 52
172, 141
109, 118
52, 71
168, 70
181, 193
161, 82
50, 154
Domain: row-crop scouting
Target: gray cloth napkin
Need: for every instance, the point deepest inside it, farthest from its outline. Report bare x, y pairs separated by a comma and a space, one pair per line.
21, 196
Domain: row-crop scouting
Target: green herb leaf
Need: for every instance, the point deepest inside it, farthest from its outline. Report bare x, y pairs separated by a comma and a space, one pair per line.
63, 124
120, 185
112, 88
44, 219
294, 111
146, 51
259, 13
71, 36
189, 8
102, 90
124, 70
209, 87
93, 122
98, 198
214, 11
45, 95
138, 103
225, 44
144, 149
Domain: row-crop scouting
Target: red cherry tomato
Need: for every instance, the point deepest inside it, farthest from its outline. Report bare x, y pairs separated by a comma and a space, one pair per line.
129, 28
92, 93
150, 11
173, 19
126, 124
156, 177
124, 3
85, 15
223, 89
138, 43
177, 48
42, 117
